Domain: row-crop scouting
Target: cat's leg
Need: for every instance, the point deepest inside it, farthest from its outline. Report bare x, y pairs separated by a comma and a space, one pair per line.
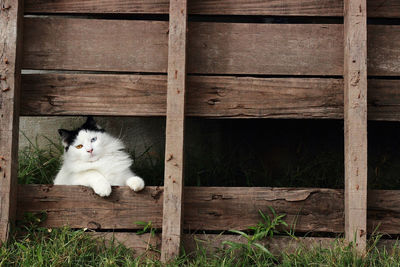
96, 181
134, 182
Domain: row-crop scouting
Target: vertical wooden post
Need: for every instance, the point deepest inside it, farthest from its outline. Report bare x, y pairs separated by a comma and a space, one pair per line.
355, 120
11, 15
173, 180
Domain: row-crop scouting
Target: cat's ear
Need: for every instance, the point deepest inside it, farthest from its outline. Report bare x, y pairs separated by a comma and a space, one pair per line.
91, 124
64, 133
90, 121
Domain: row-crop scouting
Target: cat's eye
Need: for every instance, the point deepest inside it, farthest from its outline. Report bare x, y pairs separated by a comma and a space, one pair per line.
93, 139
79, 146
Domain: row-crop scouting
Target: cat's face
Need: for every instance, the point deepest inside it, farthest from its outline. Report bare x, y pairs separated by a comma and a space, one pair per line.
87, 146
84, 143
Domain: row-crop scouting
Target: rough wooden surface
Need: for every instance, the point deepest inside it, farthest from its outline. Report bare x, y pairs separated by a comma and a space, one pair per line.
83, 44
207, 208
355, 121
376, 8
80, 207
221, 97
383, 211
175, 130
11, 13
225, 48
212, 208
383, 53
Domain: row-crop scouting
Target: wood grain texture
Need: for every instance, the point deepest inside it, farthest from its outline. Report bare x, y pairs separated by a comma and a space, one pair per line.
67, 44
215, 48
11, 14
175, 130
80, 207
355, 121
206, 96
376, 8
112, 45
206, 208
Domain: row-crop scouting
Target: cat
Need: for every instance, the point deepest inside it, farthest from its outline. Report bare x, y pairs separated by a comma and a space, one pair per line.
95, 159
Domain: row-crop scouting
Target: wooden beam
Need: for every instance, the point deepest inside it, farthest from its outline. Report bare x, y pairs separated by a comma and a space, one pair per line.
11, 14
331, 8
206, 96
173, 178
59, 43
207, 208
355, 121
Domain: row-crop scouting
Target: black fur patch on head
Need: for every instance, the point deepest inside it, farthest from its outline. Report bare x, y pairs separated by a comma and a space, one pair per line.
91, 125
69, 137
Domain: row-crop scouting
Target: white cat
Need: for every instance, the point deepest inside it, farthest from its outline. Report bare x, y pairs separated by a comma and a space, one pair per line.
95, 159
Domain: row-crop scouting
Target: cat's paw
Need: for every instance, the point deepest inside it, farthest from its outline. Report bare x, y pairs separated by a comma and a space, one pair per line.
135, 183
103, 190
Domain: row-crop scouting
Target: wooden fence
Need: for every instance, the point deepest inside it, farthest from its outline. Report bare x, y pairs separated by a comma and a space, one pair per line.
239, 65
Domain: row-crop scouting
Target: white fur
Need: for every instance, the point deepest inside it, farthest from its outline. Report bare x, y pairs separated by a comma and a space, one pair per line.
107, 165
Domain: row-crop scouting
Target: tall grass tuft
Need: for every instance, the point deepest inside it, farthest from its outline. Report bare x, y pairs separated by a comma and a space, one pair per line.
39, 165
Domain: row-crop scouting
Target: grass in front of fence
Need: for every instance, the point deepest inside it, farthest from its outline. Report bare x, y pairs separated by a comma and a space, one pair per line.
36, 246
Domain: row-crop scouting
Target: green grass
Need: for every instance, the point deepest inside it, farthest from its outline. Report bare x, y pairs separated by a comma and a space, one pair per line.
39, 165
32, 245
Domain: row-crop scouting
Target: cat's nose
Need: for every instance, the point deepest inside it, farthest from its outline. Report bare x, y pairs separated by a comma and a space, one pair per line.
90, 151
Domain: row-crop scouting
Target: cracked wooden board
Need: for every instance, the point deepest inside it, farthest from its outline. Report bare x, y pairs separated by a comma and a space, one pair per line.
208, 208
214, 208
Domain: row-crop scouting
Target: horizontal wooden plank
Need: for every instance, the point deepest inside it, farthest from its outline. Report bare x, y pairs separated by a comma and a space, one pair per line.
215, 48
383, 211
211, 208
82, 44
206, 208
207, 96
376, 8
145, 95
141, 46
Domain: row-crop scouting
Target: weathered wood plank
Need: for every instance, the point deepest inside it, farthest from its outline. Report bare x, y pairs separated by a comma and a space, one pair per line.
207, 208
225, 48
220, 97
383, 211
383, 51
62, 43
112, 45
11, 14
175, 130
331, 8
355, 121
69, 205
